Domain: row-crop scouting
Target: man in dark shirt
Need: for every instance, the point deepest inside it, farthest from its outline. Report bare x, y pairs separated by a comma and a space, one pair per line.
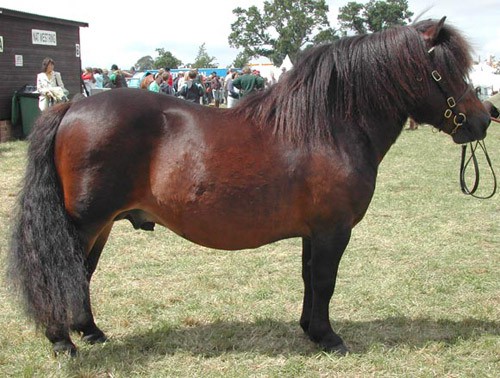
248, 83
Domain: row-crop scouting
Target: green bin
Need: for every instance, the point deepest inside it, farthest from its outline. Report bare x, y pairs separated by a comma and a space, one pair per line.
29, 110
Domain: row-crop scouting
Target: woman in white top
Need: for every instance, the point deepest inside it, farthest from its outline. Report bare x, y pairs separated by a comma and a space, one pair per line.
232, 92
50, 85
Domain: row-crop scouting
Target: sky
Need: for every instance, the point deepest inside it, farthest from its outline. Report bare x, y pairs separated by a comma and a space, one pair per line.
121, 34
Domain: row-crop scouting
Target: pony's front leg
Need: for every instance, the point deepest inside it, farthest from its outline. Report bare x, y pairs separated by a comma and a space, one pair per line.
326, 252
305, 318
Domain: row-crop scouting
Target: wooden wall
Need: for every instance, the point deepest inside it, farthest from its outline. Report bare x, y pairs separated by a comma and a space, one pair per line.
16, 32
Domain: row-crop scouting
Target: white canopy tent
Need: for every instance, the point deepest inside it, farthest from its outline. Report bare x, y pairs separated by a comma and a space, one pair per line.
266, 67
287, 64
483, 76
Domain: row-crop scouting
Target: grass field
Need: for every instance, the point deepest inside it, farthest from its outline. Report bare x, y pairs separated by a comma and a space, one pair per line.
418, 293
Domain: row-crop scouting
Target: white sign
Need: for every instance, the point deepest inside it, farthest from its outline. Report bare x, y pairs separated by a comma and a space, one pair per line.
19, 60
1, 43
43, 37
77, 50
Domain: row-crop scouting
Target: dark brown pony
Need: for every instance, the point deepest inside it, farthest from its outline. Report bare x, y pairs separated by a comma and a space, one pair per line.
298, 160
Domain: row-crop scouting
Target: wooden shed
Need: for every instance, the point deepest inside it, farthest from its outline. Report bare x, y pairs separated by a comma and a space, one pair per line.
25, 40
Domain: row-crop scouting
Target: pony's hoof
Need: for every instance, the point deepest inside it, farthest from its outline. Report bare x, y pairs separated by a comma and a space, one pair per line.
339, 349
64, 347
95, 338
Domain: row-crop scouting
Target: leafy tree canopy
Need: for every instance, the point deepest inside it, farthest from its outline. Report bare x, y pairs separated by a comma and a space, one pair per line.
166, 59
242, 59
374, 16
145, 63
283, 27
203, 60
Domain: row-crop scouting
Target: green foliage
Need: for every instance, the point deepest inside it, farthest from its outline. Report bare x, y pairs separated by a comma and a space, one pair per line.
166, 59
283, 28
325, 36
376, 15
145, 63
350, 18
203, 60
242, 59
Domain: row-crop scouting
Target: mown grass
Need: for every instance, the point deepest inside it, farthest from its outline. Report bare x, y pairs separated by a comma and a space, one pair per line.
418, 293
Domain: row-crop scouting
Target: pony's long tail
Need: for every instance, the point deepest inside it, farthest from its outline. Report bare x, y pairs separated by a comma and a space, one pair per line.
46, 259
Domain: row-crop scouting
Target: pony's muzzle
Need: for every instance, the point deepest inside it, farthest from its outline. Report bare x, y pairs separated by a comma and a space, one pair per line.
470, 129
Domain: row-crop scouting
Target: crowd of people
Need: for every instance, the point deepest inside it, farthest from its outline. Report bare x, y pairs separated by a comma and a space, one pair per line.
190, 85
93, 78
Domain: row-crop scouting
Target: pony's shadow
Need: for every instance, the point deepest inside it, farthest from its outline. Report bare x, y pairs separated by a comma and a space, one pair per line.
275, 338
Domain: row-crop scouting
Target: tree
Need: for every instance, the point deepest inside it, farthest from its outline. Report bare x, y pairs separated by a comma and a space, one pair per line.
350, 18
242, 59
376, 15
283, 28
166, 59
203, 60
145, 63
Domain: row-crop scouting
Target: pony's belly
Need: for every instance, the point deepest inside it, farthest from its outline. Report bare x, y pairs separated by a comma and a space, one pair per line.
235, 240
233, 233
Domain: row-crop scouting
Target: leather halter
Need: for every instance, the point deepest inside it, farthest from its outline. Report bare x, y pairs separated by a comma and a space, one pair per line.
459, 118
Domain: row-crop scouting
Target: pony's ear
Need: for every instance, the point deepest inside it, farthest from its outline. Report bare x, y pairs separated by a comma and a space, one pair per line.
431, 35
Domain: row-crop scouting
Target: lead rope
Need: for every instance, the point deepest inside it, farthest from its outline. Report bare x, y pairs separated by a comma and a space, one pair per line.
464, 163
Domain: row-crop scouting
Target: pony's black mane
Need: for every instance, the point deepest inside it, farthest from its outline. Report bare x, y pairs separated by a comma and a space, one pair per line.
378, 76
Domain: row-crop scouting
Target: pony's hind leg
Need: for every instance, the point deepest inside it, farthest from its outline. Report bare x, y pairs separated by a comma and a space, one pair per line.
61, 342
84, 322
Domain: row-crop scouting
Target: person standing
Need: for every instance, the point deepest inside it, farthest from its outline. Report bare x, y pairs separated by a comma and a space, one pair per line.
117, 77
49, 85
88, 80
272, 80
98, 78
154, 86
248, 83
192, 90
229, 77
106, 81
232, 92
282, 74
165, 88
170, 80
215, 86
147, 80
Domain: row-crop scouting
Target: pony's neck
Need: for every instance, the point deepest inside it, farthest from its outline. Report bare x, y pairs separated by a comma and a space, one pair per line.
368, 138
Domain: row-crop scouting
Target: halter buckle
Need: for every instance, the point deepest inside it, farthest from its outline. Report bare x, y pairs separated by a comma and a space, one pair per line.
448, 113
436, 76
451, 102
